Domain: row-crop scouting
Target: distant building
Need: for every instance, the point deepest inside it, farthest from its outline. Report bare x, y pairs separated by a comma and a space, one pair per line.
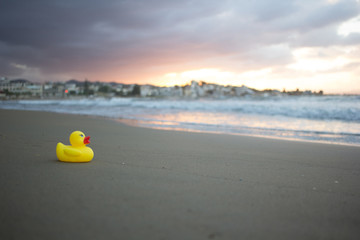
243, 91
20, 87
24, 88
149, 91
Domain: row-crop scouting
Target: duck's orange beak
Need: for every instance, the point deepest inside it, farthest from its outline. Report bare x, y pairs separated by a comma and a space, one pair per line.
87, 140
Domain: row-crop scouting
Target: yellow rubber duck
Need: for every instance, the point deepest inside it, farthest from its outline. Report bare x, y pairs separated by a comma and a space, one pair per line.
78, 151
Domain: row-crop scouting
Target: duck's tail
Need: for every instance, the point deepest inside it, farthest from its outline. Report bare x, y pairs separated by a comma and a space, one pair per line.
59, 149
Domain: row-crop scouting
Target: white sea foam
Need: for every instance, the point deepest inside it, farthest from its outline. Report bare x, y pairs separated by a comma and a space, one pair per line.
327, 118
323, 108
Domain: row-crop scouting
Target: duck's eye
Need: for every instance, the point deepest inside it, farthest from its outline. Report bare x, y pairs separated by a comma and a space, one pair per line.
81, 135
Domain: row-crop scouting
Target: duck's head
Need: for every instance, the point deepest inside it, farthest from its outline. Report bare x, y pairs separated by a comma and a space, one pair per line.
78, 139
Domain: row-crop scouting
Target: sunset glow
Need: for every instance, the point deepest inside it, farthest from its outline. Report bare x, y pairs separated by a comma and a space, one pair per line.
308, 46
309, 59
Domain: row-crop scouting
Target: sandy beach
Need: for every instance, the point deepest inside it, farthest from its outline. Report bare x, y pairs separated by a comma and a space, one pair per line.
157, 184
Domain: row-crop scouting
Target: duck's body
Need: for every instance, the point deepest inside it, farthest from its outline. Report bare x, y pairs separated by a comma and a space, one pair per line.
78, 151
67, 153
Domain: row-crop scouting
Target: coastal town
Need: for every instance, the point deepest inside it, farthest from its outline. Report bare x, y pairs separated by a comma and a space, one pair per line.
25, 89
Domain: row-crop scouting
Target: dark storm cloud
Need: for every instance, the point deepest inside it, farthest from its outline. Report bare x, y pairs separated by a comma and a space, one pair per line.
88, 35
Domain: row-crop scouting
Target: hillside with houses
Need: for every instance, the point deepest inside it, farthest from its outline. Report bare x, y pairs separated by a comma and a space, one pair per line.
25, 89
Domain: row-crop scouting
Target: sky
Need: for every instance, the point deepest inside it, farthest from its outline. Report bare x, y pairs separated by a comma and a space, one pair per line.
277, 44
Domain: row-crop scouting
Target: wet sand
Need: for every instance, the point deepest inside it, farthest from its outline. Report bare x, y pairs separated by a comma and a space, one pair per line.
157, 184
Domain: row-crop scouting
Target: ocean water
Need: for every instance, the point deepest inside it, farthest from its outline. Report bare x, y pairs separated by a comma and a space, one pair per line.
330, 119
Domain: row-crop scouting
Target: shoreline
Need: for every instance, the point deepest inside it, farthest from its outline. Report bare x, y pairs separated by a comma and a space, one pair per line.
150, 184
134, 123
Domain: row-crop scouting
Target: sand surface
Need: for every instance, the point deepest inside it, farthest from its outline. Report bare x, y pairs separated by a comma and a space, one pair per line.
155, 184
